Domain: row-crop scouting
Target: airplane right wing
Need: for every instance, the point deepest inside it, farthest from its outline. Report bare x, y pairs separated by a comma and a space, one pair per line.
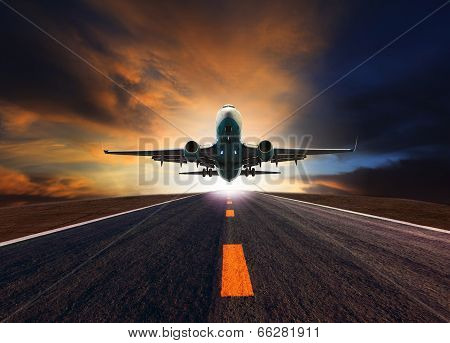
173, 152
200, 172
205, 155
173, 155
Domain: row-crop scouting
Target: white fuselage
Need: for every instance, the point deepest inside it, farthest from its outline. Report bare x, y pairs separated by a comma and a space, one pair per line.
228, 142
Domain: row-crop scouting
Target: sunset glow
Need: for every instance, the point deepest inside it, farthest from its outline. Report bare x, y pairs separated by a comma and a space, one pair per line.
141, 64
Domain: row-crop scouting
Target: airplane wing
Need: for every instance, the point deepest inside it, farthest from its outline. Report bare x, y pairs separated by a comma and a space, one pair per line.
213, 172
284, 155
261, 172
173, 152
206, 155
250, 154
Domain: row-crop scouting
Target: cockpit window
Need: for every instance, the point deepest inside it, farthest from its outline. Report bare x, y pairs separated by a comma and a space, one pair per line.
228, 105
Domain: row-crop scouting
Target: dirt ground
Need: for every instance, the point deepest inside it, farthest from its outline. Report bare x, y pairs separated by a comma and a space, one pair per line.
26, 220
413, 211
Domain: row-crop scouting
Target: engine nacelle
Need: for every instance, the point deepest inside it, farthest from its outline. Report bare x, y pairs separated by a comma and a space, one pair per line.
191, 151
265, 151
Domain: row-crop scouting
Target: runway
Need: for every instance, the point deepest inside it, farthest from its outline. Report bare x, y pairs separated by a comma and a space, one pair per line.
305, 263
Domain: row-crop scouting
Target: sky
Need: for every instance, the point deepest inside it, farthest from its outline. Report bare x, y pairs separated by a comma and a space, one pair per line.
153, 74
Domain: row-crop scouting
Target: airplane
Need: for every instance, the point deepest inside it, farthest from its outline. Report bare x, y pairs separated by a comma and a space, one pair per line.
229, 157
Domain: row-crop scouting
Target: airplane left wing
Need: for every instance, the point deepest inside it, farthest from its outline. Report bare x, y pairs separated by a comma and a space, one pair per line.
259, 172
251, 158
284, 155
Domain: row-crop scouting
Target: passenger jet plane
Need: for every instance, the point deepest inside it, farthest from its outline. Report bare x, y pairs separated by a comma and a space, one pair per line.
229, 157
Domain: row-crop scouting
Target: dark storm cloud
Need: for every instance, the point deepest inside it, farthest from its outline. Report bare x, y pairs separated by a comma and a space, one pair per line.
397, 100
403, 115
406, 114
396, 103
421, 179
38, 74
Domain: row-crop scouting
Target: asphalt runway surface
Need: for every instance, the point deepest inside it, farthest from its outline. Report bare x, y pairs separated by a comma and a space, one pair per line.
164, 264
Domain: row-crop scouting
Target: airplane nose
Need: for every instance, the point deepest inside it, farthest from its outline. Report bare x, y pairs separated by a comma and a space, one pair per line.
228, 114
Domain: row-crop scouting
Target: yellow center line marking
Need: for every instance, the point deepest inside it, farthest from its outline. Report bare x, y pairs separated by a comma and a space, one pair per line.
235, 277
229, 213
229, 202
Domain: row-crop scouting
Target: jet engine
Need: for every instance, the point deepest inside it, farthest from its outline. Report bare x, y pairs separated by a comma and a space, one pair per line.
265, 151
191, 151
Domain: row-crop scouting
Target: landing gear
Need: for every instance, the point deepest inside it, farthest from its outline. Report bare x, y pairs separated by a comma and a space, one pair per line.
207, 171
250, 171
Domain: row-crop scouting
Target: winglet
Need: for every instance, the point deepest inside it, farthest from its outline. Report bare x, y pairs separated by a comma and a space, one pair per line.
104, 150
356, 144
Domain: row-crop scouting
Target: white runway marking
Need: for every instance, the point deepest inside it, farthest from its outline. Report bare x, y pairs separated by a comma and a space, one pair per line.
365, 215
44, 233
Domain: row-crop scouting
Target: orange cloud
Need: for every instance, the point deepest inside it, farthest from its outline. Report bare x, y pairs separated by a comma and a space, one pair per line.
339, 186
13, 182
16, 119
236, 57
181, 62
